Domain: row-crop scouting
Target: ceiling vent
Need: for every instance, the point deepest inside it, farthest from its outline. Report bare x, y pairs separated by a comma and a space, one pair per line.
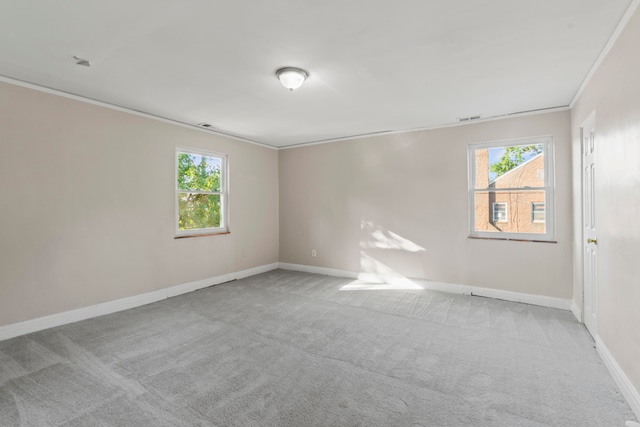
466, 119
206, 125
82, 61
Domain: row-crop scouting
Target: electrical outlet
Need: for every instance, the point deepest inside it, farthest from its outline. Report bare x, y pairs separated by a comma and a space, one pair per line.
244, 252
313, 253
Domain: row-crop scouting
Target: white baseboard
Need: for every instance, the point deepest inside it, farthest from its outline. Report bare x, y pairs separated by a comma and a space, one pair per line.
404, 283
577, 312
319, 270
58, 319
624, 384
541, 300
256, 270
38, 324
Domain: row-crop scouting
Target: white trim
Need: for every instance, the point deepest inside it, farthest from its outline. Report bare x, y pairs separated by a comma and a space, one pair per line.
68, 95
541, 300
58, 319
243, 274
624, 384
63, 94
605, 51
577, 312
319, 270
425, 128
544, 301
589, 122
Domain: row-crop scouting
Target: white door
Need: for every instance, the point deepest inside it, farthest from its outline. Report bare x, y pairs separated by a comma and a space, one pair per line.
590, 240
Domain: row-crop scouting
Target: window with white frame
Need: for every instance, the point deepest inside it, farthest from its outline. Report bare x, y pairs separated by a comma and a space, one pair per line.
201, 192
537, 212
499, 212
514, 176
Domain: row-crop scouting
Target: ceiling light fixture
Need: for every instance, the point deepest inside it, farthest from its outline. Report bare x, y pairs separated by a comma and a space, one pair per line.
291, 77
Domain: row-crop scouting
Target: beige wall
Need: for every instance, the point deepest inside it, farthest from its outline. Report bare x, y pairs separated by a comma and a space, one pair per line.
614, 94
398, 204
88, 206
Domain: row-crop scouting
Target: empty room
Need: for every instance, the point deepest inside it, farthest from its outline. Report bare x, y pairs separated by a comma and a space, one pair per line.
284, 213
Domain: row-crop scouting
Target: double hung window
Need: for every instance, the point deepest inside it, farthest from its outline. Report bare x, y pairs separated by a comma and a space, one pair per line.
511, 189
201, 192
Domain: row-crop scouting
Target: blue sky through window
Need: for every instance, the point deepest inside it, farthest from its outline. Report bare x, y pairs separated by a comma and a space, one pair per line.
213, 163
496, 153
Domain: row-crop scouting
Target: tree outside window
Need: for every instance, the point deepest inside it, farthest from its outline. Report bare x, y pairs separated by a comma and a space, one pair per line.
200, 192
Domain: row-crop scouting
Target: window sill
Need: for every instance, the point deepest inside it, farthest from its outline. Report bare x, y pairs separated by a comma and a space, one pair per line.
188, 236
512, 239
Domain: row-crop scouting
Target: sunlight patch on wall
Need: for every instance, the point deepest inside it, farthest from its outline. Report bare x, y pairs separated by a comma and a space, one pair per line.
380, 238
377, 276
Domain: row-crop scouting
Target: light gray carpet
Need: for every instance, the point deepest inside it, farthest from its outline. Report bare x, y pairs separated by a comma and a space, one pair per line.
292, 349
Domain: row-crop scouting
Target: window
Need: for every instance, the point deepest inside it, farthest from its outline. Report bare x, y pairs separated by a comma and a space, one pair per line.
499, 212
201, 192
511, 189
537, 212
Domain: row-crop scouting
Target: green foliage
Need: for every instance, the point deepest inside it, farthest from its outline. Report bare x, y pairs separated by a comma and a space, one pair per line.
198, 173
513, 157
203, 176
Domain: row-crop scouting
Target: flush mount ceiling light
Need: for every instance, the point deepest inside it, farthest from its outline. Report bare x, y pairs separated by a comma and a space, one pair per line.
291, 77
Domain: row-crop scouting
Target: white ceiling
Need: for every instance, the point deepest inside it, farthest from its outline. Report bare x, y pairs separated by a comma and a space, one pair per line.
374, 65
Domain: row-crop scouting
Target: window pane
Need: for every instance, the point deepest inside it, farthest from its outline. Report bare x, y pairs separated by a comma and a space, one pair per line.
499, 212
537, 212
198, 211
515, 166
196, 172
508, 211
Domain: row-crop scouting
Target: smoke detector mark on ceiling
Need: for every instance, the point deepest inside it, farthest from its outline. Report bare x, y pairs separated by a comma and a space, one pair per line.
82, 61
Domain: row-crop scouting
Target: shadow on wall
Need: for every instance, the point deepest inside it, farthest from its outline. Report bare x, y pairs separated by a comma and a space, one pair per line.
374, 274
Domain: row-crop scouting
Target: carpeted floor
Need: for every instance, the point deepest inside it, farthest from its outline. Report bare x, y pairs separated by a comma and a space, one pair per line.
293, 349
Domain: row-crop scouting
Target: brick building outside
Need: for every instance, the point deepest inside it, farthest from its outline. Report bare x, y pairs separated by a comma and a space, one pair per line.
510, 211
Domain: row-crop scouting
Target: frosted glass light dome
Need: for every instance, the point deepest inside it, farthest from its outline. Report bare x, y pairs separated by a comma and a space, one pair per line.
291, 77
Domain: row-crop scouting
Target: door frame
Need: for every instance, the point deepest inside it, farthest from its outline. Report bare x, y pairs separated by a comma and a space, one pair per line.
590, 121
